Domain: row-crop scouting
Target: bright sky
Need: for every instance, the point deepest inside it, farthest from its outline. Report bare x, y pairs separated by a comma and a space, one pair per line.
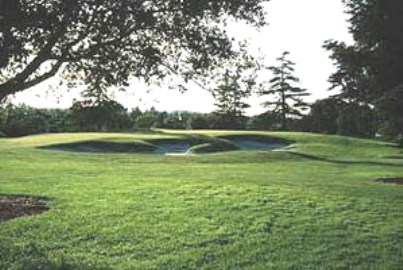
297, 26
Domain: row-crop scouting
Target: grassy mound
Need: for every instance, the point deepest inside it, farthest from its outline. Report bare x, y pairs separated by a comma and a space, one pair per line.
257, 138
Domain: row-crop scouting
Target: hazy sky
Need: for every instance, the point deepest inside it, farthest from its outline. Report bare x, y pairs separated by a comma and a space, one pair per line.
298, 26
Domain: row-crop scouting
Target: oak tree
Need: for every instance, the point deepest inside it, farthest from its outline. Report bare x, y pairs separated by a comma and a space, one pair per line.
105, 43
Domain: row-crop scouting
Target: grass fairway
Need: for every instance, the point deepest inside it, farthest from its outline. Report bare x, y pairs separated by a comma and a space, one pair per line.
313, 206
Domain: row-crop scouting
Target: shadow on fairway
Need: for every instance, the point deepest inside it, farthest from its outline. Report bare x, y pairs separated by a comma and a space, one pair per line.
347, 162
33, 256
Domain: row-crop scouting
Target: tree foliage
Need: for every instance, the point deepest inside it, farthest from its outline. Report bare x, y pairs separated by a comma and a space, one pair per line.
105, 43
236, 80
370, 71
99, 115
24, 120
288, 98
334, 115
230, 95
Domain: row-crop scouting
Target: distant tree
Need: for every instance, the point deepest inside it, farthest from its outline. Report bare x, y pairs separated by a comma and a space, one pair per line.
148, 119
263, 121
222, 95
99, 115
199, 121
24, 120
230, 100
337, 116
175, 120
105, 43
135, 112
288, 99
235, 84
323, 116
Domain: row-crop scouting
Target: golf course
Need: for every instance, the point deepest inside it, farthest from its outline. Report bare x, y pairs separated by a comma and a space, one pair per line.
200, 200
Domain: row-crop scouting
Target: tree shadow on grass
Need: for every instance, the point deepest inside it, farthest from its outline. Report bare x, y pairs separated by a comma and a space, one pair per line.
346, 162
34, 257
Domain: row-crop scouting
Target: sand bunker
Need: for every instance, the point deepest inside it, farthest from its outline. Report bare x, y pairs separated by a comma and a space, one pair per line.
251, 145
177, 146
218, 145
13, 206
391, 180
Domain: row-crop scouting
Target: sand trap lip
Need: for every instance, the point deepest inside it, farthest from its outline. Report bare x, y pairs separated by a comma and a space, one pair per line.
172, 149
14, 206
100, 146
249, 145
181, 149
390, 180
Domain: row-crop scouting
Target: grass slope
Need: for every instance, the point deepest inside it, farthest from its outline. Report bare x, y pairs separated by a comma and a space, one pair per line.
313, 206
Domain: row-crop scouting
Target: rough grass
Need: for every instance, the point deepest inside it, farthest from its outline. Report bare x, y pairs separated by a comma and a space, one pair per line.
313, 206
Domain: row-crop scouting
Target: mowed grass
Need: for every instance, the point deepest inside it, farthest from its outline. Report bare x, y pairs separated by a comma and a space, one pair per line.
313, 205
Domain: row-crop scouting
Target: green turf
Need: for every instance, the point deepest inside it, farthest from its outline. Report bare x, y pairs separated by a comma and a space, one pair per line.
313, 205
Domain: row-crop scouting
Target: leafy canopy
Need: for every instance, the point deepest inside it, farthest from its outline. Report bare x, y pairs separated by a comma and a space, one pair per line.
105, 43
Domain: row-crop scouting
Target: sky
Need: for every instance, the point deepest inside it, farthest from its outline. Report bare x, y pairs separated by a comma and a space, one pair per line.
297, 26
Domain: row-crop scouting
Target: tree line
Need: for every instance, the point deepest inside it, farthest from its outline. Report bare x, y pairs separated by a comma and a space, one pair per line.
105, 43
21, 120
284, 104
110, 116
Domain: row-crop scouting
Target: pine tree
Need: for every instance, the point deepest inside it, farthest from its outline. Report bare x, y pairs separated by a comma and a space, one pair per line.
230, 99
230, 95
370, 71
235, 82
288, 99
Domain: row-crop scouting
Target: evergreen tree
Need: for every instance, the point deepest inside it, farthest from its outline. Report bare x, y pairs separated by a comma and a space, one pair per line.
370, 71
236, 82
288, 102
230, 98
